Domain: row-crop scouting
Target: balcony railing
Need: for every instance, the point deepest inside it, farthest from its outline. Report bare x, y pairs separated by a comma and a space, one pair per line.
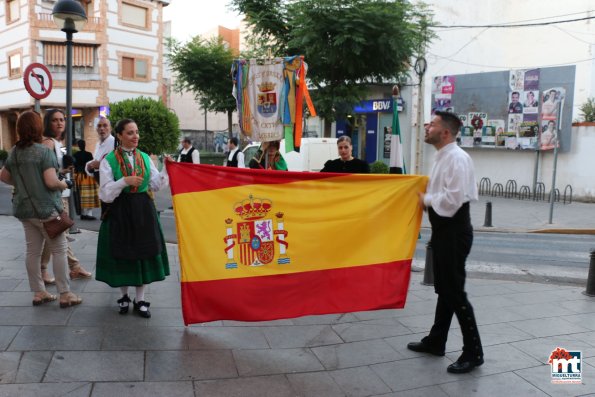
45, 20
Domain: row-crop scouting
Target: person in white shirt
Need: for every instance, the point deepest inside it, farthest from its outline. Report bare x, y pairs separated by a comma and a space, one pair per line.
106, 145
235, 157
450, 189
189, 153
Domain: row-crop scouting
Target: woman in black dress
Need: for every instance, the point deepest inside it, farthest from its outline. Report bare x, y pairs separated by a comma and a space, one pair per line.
346, 162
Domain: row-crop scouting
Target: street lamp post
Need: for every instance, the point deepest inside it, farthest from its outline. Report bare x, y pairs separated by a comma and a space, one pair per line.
420, 67
70, 17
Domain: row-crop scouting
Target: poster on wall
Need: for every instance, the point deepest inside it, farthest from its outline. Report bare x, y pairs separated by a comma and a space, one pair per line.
531, 103
488, 136
514, 104
443, 85
528, 132
467, 136
553, 101
517, 80
442, 102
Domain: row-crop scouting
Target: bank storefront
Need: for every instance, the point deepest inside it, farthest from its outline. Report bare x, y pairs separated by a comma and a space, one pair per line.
371, 127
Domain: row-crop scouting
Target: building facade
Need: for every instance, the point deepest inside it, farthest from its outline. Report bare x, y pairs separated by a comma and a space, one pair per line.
117, 55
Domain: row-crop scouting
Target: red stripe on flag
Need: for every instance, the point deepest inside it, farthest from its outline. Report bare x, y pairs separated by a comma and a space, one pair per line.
187, 177
370, 287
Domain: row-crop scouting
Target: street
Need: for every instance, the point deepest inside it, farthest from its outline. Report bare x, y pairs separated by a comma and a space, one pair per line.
527, 256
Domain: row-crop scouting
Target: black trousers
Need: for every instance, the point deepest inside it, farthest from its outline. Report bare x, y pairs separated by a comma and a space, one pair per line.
451, 243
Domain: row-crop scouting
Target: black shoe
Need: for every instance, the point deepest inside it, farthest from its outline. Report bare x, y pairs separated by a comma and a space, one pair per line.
88, 218
124, 302
462, 366
421, 347
142, 304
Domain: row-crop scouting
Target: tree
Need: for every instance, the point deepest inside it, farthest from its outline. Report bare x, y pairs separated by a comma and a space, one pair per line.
347, 44
158, 126
203, 68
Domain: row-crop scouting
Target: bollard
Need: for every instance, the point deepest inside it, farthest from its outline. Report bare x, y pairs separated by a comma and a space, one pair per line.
590, 291
488, 218
429, 268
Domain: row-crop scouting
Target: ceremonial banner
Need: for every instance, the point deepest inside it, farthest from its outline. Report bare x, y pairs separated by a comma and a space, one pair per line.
264, 86
261, 245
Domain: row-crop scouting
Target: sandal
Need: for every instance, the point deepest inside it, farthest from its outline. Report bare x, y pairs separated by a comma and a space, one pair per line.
78, 273
71, 300
124, 302
47, 280
43, 297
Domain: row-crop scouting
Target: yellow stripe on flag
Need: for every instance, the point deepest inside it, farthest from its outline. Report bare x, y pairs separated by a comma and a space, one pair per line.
338, 222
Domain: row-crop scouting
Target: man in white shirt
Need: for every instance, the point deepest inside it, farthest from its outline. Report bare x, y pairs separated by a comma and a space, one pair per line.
452, 186
235, 157
105, 145
103, 148
189, 153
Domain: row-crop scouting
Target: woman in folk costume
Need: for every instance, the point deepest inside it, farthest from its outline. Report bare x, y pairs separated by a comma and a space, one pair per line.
269, 157
131, 249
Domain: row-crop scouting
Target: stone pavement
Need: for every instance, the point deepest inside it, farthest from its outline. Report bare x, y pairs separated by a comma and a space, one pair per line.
91, 350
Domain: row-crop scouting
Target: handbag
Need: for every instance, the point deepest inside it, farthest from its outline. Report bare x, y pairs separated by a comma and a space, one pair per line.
57, 223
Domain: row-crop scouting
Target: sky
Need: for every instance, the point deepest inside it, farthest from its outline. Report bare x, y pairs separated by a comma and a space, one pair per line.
192, 17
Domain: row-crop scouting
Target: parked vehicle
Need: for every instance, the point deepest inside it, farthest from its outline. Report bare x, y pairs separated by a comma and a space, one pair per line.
313, 153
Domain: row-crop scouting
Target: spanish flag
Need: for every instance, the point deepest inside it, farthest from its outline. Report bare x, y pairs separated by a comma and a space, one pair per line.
260, 245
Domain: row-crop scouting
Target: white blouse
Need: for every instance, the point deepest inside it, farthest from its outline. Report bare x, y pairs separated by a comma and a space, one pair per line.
452, 181
110, 189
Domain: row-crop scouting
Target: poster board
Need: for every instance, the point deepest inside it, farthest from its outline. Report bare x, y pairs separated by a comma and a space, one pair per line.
528, 109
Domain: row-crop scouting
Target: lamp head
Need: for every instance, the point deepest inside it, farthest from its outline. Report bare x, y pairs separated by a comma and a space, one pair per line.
69, 16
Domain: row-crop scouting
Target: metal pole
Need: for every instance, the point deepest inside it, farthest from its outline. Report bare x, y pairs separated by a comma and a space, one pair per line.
535, 168
556, 144
38, 106
488, 217
590, 291
68, 115
429, 267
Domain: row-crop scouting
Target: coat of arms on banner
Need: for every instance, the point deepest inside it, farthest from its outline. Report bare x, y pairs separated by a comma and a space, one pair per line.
251, 241
267, 99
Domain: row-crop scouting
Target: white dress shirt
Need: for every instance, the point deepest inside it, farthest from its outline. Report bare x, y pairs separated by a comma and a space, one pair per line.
452, 181
195, 155
110, 189
241, 162
102, 149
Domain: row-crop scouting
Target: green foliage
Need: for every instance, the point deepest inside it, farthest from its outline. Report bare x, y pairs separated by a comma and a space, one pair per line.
346, 43
158, 126
588, 110
378, 167
203, 68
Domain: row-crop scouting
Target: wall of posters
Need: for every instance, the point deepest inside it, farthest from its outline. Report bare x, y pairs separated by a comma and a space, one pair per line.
510, 110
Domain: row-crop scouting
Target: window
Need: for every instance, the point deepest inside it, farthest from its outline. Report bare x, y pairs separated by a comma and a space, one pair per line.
54, 54
135, 68
13, 10
134, 15
88, 7
14, 65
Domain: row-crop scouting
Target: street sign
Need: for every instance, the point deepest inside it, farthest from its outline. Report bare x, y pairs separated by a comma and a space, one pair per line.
38, 80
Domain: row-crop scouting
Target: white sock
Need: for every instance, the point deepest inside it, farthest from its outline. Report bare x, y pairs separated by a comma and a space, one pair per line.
140, 293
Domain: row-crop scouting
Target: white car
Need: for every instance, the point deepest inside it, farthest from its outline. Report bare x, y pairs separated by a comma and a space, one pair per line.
314, 152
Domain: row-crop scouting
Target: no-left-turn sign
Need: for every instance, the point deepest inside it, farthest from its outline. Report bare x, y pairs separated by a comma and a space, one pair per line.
38, 80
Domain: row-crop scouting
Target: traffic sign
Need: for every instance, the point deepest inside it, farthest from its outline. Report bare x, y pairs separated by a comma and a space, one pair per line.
38, 80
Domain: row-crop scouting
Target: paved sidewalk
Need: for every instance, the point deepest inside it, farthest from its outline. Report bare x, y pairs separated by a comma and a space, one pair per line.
91, 350
514, 215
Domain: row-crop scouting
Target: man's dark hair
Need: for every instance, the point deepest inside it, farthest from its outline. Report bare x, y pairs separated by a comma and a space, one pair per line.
452, 121
187, 140
234, 141
515, 92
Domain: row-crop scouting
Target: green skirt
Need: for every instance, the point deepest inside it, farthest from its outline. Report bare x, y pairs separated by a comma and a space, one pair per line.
120, 272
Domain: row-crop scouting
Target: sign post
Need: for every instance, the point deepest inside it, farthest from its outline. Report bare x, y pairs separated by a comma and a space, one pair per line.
38, 82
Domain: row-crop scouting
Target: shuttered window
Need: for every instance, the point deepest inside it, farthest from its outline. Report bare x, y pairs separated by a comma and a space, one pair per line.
14, 65
134, 15
54, 54
13, 11
134, 68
